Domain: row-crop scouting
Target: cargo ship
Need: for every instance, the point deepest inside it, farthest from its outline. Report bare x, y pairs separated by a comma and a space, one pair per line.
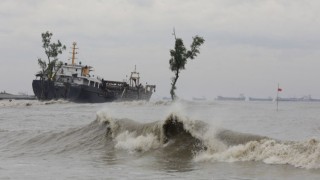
73, 82
223, 98
260, 99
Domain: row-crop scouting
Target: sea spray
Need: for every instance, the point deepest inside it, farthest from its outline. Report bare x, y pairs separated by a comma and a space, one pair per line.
132, 142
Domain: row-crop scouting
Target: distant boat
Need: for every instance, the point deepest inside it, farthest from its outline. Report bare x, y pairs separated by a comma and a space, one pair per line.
199, 99
312, 100
223, 98
289, 99
260, 99
302, 99
166, 98
309, 99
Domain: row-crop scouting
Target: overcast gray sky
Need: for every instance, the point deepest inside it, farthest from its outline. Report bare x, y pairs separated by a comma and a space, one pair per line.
250, 45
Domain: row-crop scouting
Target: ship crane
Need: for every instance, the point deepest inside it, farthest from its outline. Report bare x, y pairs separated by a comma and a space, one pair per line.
135, 77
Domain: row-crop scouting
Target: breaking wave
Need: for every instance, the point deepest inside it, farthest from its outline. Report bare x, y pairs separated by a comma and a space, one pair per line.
182, 136
173, 131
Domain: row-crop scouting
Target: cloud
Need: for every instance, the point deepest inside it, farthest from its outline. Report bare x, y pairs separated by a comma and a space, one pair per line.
243, 38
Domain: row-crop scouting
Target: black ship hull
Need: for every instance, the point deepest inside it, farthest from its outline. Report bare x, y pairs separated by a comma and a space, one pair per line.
50, 90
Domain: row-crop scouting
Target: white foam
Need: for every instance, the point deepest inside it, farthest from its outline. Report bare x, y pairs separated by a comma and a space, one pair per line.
304, 154
132, 143
177, 108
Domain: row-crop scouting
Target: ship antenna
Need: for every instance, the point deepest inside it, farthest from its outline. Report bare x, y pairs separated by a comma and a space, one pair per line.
74, 52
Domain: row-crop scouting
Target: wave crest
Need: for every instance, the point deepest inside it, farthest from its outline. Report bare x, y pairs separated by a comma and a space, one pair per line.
173, 130
180, 136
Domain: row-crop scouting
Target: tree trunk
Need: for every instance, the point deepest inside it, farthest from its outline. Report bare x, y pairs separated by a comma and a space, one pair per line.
173, 85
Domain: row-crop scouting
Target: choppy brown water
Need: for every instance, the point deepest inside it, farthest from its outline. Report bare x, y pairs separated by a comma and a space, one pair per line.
144, 140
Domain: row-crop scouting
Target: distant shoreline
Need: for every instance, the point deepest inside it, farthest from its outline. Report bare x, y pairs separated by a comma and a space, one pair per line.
7, 96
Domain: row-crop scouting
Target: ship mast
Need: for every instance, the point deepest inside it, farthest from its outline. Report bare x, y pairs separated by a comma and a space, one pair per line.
74, 52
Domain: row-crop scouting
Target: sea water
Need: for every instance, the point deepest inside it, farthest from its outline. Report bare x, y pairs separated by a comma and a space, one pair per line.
159, 140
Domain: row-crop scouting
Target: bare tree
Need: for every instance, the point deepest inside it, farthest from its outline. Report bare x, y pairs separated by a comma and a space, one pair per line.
179, 57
